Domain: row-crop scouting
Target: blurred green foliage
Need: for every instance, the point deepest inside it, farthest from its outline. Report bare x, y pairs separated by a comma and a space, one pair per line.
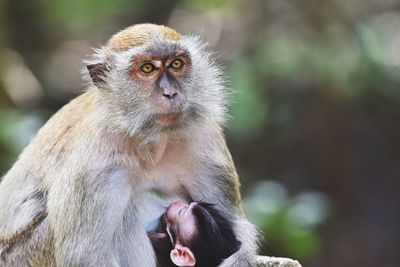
19, 131
77, 16
249, 110
289, 222
209, 4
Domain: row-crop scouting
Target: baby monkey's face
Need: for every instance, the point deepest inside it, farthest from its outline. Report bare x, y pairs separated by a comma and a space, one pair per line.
180, 221
191, 228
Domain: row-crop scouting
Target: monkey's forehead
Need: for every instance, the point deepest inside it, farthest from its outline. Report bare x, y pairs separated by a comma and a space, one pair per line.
141, 34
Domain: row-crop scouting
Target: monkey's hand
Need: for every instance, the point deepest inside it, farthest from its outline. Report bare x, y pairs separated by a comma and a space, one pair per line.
247, 254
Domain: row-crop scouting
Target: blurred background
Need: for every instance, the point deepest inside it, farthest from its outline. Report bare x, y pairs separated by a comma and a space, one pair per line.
315, 121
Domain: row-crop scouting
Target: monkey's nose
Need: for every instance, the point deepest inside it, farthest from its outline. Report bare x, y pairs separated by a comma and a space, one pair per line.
178, 202
170, 95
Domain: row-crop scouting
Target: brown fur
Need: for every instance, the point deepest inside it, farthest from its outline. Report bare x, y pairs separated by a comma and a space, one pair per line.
140, 34
67, 131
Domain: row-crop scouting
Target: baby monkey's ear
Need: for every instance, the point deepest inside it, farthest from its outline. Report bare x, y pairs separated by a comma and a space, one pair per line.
182, 256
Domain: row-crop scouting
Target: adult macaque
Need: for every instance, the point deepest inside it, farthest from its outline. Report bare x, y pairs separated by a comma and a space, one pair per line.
146, 132
194, 234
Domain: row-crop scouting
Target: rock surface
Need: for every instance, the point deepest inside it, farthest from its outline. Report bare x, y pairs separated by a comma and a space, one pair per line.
264, 261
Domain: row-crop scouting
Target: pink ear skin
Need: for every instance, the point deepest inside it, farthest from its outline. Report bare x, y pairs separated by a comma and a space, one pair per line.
182, 256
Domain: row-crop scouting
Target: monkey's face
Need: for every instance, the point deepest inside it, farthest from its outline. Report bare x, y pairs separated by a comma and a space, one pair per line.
161, 81
161, 87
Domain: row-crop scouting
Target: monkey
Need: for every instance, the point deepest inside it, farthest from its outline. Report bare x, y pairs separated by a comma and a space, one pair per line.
193, 234
148, 130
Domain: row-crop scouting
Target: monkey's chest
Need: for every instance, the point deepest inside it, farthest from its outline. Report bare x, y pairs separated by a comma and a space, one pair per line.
162, 187
164, 183
153, 207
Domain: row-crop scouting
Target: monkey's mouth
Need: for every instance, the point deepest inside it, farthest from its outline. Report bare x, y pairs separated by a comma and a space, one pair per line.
168, 119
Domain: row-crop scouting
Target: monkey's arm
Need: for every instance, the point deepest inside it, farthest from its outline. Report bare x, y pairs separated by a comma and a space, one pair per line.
244, 230
247, 254
86, 213
224, 190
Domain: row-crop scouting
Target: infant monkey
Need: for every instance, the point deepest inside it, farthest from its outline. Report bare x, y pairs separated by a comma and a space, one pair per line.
194, 234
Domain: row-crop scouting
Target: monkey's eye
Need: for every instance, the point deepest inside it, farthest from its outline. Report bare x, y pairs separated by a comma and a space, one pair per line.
176, 64
183, 210
147, 68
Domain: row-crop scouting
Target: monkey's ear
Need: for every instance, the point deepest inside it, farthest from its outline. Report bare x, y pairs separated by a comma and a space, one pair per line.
97, 71
182, 256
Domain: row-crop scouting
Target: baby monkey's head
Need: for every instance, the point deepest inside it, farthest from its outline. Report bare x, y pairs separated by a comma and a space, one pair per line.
199, 234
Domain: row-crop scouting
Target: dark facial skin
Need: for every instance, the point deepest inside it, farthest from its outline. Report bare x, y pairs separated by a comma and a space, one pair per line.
162, 77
